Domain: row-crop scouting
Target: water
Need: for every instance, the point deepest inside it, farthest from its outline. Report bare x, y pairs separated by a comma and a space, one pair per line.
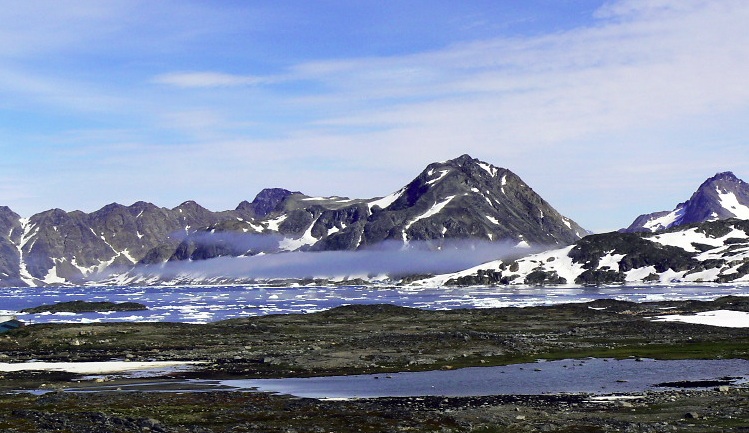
597, 376
204, 304
592, 375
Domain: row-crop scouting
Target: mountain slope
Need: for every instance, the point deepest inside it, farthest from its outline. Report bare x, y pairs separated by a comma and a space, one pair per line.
467, 198
720, 197
57, 247
716, 251
461, 199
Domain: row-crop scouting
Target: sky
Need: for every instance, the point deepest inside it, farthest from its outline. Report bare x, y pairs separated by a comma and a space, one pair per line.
607, 109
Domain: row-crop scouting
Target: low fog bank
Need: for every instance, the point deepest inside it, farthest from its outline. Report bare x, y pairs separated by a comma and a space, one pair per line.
393, 259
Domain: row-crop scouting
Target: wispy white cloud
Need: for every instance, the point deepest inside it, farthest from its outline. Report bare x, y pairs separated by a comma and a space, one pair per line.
210, 79
619, 108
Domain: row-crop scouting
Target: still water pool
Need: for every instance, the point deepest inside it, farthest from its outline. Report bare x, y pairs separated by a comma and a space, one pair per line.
591, 375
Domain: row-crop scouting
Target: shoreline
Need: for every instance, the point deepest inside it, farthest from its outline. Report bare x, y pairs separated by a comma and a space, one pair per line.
381, 339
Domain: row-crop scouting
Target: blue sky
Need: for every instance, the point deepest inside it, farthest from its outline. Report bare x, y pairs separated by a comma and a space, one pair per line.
608, 109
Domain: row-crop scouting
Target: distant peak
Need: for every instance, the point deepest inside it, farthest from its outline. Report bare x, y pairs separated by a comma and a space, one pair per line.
726, 175
462, 159
272, 194
268, 199
190, 205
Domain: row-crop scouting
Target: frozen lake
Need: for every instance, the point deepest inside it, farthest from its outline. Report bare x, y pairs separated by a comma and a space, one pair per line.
204, 304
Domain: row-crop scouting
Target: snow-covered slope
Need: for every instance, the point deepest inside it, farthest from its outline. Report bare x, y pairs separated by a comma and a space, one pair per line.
708, 252
720, 197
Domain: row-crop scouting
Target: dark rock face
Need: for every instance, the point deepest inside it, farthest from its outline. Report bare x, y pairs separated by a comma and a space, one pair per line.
57, 246
720, 197
460, 199
265, 202
467, 198
10, 235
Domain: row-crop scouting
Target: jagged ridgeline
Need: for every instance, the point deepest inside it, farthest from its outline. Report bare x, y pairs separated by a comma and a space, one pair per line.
460, 199
715, 251
720, 197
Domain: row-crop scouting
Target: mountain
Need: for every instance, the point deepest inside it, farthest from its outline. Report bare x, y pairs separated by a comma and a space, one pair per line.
460, 199
463, 198
720, 197
57, 247
716, 251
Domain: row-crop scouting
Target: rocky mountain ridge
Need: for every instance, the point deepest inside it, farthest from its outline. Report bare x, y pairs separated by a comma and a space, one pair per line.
714, 251
459, 199
722, 196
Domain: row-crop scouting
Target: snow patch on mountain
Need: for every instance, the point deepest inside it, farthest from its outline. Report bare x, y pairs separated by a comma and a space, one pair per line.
661, 223
273, 225
610, 261
386, 201
434, 210
293, 244
490, 169
709, 252
730, 203
440, 176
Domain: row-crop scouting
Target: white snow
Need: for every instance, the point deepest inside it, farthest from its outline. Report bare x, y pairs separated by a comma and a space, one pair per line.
670, 276
665, 221
25, 237
385, 201
684, 239
293, 244
274, 223
562, 264
723, 318
434, 210
127, 255
52, 278
492, 219
567, 223
492, 170
442, 174
610, 261
638, 274
729, 202
105, 367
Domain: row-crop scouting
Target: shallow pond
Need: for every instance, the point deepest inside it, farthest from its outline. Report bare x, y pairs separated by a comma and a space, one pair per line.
593, 375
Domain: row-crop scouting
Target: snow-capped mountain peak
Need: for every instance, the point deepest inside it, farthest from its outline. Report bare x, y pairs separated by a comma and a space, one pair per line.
720, 197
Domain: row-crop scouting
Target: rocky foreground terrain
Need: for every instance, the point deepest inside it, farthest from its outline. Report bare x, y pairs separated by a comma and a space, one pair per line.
373, 339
